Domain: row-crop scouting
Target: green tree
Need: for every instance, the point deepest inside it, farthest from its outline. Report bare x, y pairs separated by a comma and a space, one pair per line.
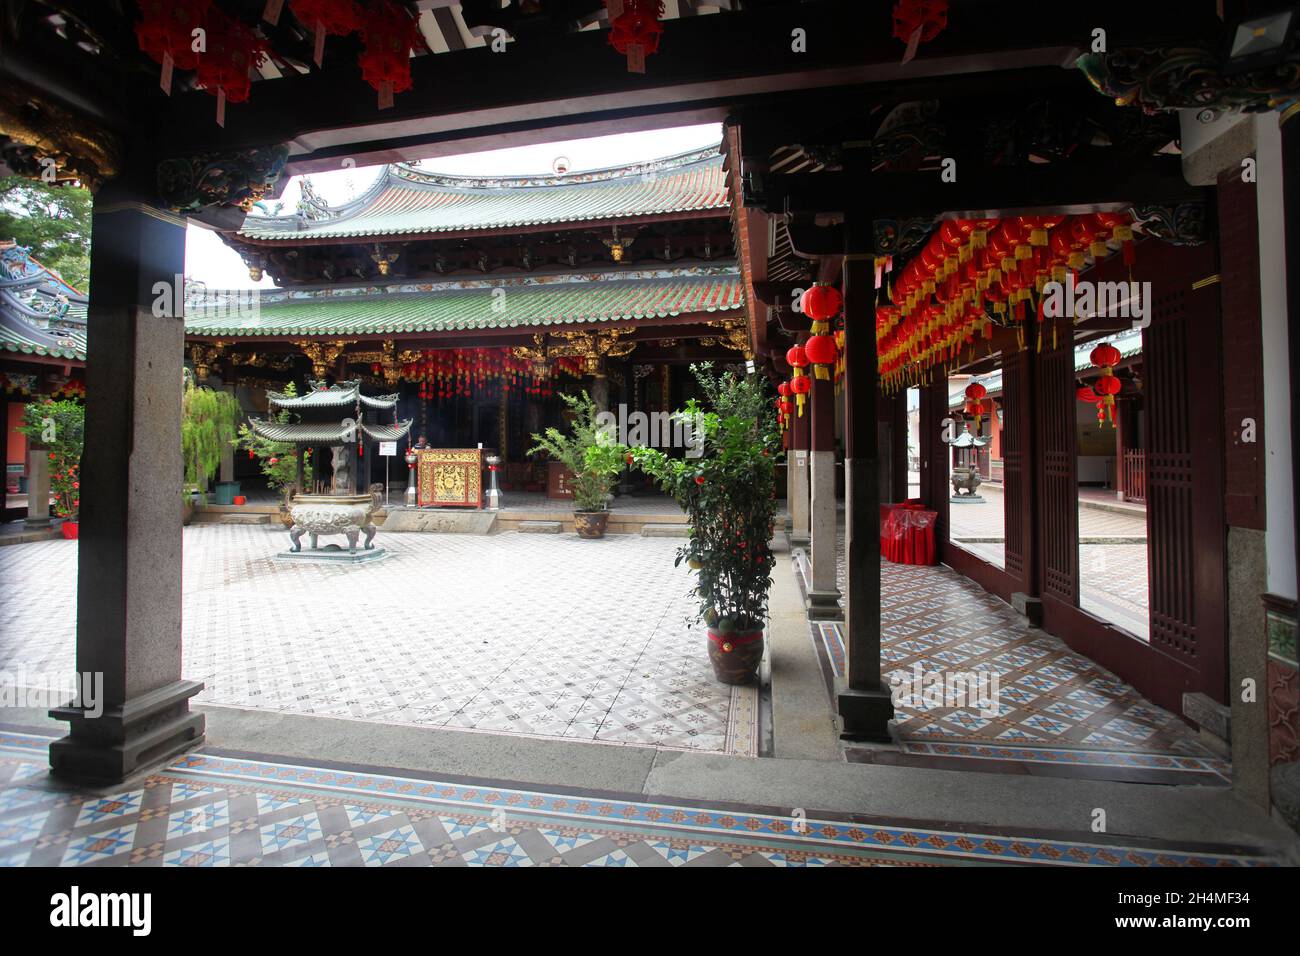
589, 452
59, 428
209, 420
729, 495
277, 458
54, 221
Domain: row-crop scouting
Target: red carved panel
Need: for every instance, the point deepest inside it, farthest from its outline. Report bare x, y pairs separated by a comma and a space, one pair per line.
1059, 494
1283, 713
1243, 350
1015, 460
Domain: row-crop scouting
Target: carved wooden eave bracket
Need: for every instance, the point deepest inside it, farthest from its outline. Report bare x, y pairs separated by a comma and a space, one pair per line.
39, 139
1190, 77
735, 336
592, 347
323, 356
237, 178
390, 364
205, 356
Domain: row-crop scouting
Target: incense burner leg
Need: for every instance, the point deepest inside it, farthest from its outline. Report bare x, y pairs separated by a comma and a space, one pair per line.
370, 530
295, 535
353, 533
314, 540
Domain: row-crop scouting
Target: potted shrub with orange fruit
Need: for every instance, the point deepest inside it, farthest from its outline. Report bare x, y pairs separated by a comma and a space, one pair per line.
726, 486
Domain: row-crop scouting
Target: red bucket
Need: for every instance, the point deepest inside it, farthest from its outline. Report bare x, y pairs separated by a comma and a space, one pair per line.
70, 529
240, 500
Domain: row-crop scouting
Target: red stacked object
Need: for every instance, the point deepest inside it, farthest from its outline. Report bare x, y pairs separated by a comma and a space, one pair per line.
907, 533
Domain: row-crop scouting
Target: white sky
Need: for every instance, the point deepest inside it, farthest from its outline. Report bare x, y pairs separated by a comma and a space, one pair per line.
209, 259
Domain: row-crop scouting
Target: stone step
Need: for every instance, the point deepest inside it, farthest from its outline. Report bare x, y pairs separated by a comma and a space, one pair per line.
665, 531
541, 527
202, 517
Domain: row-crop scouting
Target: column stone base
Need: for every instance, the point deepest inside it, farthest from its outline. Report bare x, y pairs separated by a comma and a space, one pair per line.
824, 606
865, 715
125, 740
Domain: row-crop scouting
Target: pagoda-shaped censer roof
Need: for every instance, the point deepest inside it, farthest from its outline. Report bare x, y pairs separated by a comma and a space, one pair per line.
327, 433
323, 395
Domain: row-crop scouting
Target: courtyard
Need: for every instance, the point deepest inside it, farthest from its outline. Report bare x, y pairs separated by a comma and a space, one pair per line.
537, 635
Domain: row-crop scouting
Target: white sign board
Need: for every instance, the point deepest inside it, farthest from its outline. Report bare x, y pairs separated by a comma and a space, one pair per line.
388, 448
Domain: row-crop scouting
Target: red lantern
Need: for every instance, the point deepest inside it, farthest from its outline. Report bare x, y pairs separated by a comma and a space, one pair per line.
233, 50
821, 303
919, 21
1121, 226
634, 29
166, 34
821, 351
336, 17
800, 387
1105, 356
974, 392
390, 35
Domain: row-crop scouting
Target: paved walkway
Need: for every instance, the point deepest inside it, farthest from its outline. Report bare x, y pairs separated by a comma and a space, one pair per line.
1052, 706
537, 635
209, 810
1112, 554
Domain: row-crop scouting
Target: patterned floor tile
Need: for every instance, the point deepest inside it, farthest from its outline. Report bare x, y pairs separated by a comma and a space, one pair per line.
492, 825
1048, 696
559, 659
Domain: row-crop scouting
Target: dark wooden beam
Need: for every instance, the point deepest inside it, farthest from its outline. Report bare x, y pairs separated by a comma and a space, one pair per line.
1081, 185
702, 62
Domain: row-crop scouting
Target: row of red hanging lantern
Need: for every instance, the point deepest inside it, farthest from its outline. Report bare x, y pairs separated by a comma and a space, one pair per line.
196, 36
459, 373
975, 393
1103, 391
974, 274
823, 351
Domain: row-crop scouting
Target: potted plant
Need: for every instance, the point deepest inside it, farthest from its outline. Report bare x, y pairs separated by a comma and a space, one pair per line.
208, 420
594, 459
728, 490
58, 428
277, 459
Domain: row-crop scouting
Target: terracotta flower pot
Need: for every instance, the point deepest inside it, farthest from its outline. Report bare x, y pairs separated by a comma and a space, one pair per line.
590, 524
735, 655
70, 530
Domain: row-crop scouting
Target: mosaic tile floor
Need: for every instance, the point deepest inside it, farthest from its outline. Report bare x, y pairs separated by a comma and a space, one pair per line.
1112, 557
1054, 706
214, 811
539, 635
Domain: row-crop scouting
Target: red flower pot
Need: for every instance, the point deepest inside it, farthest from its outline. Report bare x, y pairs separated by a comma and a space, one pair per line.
70, 530
240, 499
735, 655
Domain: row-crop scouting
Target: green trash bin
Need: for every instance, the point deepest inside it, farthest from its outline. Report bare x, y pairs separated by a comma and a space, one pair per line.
226, 491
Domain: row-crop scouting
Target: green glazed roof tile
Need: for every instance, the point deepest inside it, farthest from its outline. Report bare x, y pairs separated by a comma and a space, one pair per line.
475, 306
409, 201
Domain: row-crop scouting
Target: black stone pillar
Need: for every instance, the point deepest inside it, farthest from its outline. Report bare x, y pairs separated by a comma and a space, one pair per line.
129, 566
865, 706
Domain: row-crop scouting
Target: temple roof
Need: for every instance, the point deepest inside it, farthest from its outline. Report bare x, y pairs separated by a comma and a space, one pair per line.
408, 201
329, 433
40, 314
471, 305
324, 395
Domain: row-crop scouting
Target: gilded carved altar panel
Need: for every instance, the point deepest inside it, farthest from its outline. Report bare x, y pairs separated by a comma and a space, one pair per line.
450, 477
